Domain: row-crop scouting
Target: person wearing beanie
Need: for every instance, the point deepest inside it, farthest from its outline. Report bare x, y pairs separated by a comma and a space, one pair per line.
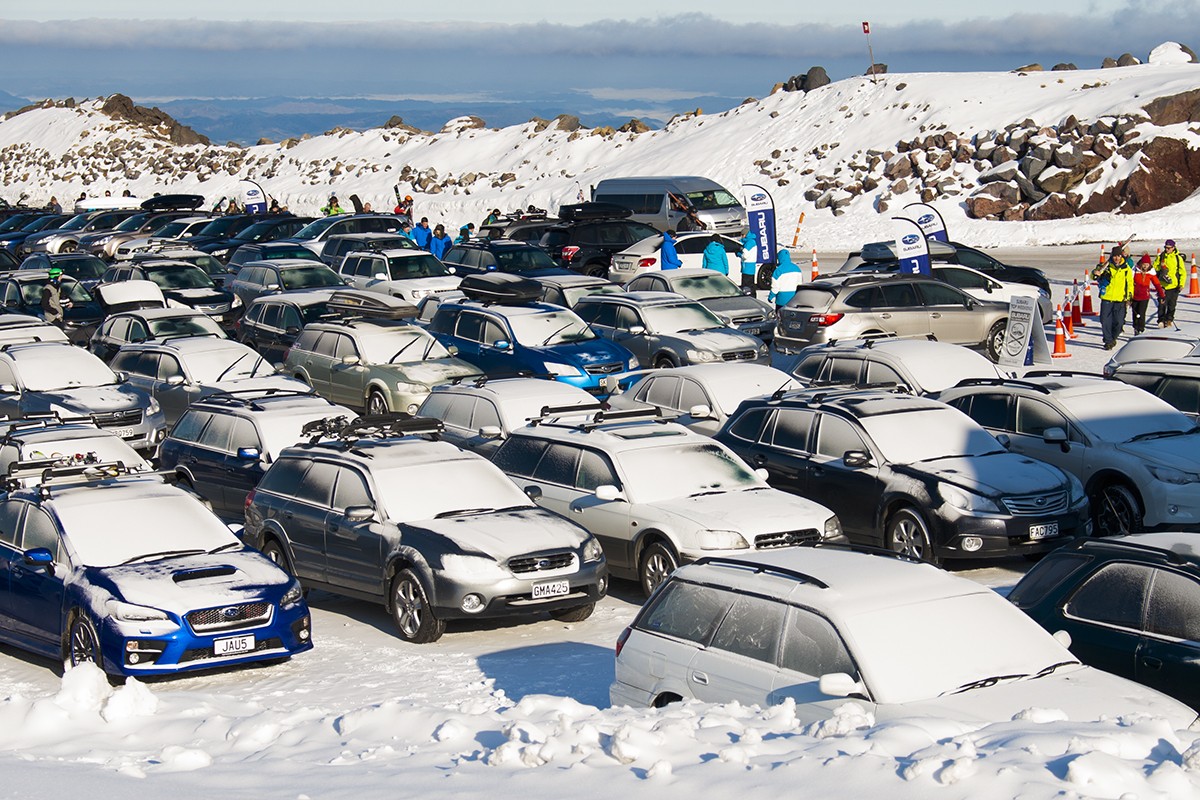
1144, 281
1172, 272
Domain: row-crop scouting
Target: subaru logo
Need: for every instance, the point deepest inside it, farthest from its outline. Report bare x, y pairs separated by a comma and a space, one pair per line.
758, 198
231, 612
1041, 501
925, 219
252, 193
543, 563
911, 239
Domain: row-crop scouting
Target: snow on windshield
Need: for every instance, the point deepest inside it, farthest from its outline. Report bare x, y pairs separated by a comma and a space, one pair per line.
1118, 415
679, 318
227, 364
655, 474
180, 278
435, 489
550, 328
106, 536
401, 346
703, 287
916, 651
44, 370
913, 436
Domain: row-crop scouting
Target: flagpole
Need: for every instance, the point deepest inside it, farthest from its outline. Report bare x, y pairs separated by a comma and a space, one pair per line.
870, 52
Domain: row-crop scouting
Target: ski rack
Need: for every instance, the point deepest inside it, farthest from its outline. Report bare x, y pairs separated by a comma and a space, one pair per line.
819, 393
249, 398
345, 433
50, 469
479, 381
600, 416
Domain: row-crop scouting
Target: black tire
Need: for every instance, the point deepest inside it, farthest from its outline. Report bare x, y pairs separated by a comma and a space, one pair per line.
81, 645
576, 614
596, 271
411, 611
908, 534
665, 699
656, 563
274, 551
1115, 510
763, 279
377, 404
995, 340
68, 247
664, 362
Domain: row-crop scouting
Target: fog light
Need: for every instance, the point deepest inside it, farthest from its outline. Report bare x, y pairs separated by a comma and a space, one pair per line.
971, 543
412, 409
472, 604
134, 658
304, 634
1172, 509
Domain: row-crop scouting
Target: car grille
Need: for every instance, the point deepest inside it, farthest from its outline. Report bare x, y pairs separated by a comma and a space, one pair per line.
229, 618
603, 369
1037, 505
219, 308
118, 419
746, 320
740, 355
786, 538
202, 653
541, 562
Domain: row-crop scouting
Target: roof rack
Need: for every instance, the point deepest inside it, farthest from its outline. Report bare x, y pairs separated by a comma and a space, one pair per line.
1170, 555
479, 381
824, 392
1061, 373
763, 568
33, 422
384, 426
1037, 387
49, 469
600, 415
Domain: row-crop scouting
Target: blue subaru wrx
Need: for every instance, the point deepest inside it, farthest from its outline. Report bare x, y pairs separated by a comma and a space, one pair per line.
136, 576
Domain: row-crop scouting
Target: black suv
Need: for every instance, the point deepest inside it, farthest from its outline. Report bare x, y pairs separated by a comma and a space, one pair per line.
336, 248
908, 473
499, 255
884, 254
266, 229
590, 234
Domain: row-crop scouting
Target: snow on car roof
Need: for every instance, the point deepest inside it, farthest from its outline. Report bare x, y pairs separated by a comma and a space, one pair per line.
399, 451
1187, 544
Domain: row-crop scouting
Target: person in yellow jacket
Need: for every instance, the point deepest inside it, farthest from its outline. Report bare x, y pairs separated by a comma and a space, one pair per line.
1172, 272
1115, 279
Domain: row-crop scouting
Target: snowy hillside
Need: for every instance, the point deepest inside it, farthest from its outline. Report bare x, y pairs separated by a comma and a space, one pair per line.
841, 154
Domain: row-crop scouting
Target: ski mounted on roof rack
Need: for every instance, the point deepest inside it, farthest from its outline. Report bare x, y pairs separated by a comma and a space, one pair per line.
36, 422
51, 469
345, 432
599, 415
250, 397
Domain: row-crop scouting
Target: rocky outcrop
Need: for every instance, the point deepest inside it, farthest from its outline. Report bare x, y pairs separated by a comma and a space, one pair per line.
815, 78
1184, 107
118, 106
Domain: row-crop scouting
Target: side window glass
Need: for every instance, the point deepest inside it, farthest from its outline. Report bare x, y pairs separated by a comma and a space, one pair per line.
39, 531
268, 314
147, 365
691, 395
285, 475
865, 298
317, 484
749, 425
559, 465
218, 432
470, 326
10, 515
118, 329
791, 429
189, 426
1174, 608
882, 373
1047, 574
938, 295
326, 344
808, 368
289, 318
168, 367
493, 332
1115, 595
1034, 417
664, 392
1183, 393
841, 370
627, 318
351, 490
835, 436
751, 628
307, 340
989, 410
243, 435
811, 646
519, 455
435, 406
899, 295
485, 415
458, 412
686, 611
345, 347
594, 470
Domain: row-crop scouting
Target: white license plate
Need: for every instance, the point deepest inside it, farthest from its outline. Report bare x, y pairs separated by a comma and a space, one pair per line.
551, 589
1047, 531
234, 645
752, 331
124, 433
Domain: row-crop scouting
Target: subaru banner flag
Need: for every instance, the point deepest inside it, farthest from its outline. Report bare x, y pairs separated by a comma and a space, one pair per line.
760, 213
912, 248
253, 197
930, 220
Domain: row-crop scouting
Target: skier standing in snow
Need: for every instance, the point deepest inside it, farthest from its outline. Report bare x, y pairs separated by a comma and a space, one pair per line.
1143, 279
785, 280
1115, 277
749, 265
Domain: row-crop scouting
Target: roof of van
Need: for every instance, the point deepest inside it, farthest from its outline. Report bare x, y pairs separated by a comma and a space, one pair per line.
682, 182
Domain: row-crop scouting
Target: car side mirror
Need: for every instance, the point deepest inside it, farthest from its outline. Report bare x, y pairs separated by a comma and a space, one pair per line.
1004, 441
350, 360
839, 684
39, 558
452, 270
501, 344
175, 380
8, 388
380, 276
534, 493
637, 330
11, 303
856, 458
452, 349
1056, 435
763, 474
608, 493
700, 412
987, 287
1063, 638
359, 513
491, 432
249, 453
121, 375
272, 287
969, 302
137, 339
292, 330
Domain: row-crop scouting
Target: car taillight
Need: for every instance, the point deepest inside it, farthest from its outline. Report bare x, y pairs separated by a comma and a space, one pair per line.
287, 351
249, 500
624, 637
647, 262
569, 252
822, 320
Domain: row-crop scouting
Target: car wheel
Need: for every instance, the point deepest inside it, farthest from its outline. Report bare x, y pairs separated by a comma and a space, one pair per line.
995, 340
763, 279
657, 563
664, 362
411, 611
908, 534
377, 404
68, 247
82, 645
274, 552
596, 270
576, 614
1115, 511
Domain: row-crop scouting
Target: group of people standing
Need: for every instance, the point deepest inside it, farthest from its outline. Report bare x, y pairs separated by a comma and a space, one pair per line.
715, 256
1123, 284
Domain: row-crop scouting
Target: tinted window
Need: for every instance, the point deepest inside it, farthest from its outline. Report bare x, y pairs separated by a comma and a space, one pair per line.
470, 326
882, 373
899, 295
809, 367
218, 433
39, 532
594, 470
963, 279
1115, 595
285, 475
936, 295
189, 426
1045, 575
327, 344
519, 455
989, 410
10, 515
865, 298
751, 628
749, 425
243, 435
691, 395
147, 365
1183, 393
485, 415
664, 391
1034, 417
351, 490
811, 646
492, 332
458, 412
1174, 608
791, 429
317, 485
686, 611
835, 436
168, 367
841, 370
307, 340
558, 465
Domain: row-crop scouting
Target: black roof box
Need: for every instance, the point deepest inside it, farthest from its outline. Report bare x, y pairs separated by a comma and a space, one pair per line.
501, 287
577, 212
370, 305
173, 202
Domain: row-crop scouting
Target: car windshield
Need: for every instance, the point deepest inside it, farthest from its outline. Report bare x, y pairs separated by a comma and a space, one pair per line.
1154, 348
927, 435
714, 198
400, 346
680, 317
655, 474
418, 265
103, 532
309, 277
81, 267
705, 287
259, 231
45, 369
206, 263
315, 228
549, 328
43, 223
194, 325
434, 490
31, 291
906, 654
230, 363
15, 222
170, 230
223, 225
76, 222
573, 293
179, 277
133, 223
282, 251
516, 259
1124, 413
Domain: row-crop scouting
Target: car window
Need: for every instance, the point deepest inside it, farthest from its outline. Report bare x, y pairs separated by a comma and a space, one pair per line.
289, 317
973, 259
835, 436
1034, 417
493, 332
691, 394
559, 464
1183, 393
147, 365
811, 646
989, 410
809, 367
791, 429
244, 435
627, 318
307, 341
327, 344
349, 265
595, 470
485, 415
751, 628
749, 425
189, 426
962, 278
603, 314
168, 367
1115, 595
10, 515
520, 455
351, 490
470, 327
345, 347
664, 392
938, 295
865, 298
882, 373
1173, 610
217, 433
457, 411
317, 485
686, 611
840, 370
285, 475
899, 295
117, 329
39, 531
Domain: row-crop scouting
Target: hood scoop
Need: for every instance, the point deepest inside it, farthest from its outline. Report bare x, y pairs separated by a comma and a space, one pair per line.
202, 574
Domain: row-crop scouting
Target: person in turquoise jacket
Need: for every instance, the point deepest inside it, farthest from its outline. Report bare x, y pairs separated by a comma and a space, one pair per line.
749, 265
785, 280
439, 243
670, 258
715, 257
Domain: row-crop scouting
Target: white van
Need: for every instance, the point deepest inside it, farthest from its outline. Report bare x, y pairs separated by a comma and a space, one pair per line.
649, 198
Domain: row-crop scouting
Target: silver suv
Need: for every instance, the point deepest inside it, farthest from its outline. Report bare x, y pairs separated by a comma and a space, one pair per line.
925, 367
847, 307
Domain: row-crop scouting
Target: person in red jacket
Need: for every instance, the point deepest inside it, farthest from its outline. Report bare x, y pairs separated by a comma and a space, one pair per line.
1143, 279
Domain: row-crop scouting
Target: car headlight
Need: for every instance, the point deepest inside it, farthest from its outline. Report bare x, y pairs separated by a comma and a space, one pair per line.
1174, 476
128, 612
592, 551
833, 528
219, 252
103, 240
411, 388
762, 349
1043, 293
771, 315
567, 370
1076, 488
471, 566
722, 540
967, 501
292, 596
699, 356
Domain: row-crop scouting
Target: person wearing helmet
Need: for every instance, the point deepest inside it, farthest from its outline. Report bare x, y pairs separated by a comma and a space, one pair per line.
53, 302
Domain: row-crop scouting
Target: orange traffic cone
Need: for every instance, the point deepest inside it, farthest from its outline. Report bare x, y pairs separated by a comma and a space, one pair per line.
816, 273
1060, 340
1076, 314
1068, 318
1088, 311
1194, 287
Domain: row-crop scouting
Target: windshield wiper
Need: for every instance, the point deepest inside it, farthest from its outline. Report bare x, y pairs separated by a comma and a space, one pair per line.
163, 554
707, 492
236, 361
984, 683
407, 345
1141, 437
224, 547
546, 341
458, 512
1044, 671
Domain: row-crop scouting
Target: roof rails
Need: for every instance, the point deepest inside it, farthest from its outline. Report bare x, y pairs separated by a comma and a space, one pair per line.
758, 569
33, 422
827, 391
1170, 555
1037, 387
91, 468
866, 549
868, 340
479, 381
600, 415
384, 426
1061, 373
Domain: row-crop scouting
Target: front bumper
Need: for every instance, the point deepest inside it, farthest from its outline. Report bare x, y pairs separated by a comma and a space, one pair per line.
511, 596
1000, 536
1170, 505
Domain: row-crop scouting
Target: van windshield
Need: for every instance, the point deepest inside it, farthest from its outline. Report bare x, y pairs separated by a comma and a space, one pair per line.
712, 198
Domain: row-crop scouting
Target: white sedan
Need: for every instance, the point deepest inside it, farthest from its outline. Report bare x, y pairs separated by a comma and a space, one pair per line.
646, 255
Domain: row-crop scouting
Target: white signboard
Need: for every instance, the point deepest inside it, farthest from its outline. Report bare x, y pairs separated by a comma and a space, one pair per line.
1025, 338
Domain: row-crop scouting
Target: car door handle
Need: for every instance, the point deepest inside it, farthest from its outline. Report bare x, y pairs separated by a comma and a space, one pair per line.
759, 459
935, 315
885, 316
1150, 662
287, 514
818, 471
700, 678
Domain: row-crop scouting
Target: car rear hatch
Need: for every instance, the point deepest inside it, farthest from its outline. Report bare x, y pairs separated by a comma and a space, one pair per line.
806, 312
